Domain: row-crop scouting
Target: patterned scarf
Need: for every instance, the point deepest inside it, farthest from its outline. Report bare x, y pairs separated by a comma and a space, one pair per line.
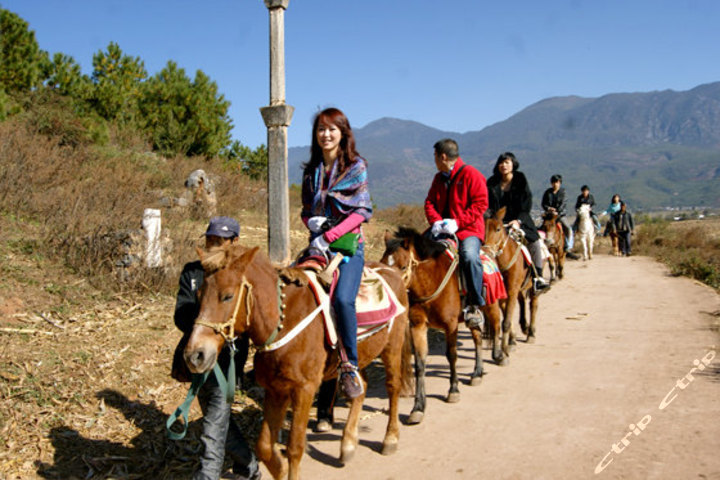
347, 192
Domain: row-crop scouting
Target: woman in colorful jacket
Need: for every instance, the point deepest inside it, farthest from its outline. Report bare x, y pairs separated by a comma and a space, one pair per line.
336, 201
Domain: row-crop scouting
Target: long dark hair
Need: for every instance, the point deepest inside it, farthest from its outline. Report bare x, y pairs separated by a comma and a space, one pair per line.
502, 158
347, 154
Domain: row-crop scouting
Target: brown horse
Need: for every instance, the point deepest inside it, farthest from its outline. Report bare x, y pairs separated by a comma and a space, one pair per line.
242, 292
555, 241
517, 275
430, 276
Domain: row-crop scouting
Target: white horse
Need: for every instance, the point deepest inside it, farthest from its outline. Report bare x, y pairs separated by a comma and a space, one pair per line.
586, 230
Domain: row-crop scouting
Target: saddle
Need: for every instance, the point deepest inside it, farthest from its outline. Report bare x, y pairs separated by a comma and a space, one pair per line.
376, 304
493, 285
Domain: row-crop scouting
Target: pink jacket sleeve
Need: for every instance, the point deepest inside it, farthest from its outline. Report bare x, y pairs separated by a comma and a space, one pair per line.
351, 223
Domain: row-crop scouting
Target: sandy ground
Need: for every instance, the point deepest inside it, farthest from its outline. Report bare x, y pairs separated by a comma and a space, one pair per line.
614, 339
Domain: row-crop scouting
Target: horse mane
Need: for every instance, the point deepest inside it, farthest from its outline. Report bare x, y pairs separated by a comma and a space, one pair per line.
424, 246
214, 259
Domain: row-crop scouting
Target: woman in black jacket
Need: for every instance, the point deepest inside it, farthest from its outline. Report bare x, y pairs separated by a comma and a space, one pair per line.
510, 189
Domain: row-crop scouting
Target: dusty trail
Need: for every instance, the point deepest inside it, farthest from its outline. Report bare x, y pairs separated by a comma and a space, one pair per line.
561, 404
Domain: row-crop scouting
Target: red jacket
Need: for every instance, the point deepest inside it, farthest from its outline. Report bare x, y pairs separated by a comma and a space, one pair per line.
468, 200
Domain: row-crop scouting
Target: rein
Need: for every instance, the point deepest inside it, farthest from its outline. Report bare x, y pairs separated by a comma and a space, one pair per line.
443, 284
495, 253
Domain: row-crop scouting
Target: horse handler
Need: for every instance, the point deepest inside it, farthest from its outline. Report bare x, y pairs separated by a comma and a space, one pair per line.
456, 203
219, 431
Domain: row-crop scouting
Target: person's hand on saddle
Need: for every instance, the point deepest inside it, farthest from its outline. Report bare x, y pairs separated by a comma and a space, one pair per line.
315, 224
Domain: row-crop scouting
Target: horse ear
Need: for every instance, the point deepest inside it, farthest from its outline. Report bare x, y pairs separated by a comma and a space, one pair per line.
200, 252
500, 214
388, 236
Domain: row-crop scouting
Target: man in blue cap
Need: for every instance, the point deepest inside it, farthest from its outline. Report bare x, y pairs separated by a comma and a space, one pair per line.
219, 432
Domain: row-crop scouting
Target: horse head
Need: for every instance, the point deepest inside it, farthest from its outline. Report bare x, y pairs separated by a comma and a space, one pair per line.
584, 210
400, 251
495, 233
225, 303
407, 248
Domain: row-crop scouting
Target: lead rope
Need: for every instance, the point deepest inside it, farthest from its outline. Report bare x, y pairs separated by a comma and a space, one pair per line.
226, 385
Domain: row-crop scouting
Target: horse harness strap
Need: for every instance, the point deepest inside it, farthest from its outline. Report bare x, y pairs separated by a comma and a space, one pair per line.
270, 345
230, 324
443, 284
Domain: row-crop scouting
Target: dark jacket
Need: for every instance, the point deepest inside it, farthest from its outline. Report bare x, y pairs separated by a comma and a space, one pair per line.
517, 200
555, 200
187, 307
590, 200
623, 221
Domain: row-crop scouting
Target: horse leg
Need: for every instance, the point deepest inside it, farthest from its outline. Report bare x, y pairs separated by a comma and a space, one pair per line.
509, 312
492, 318
521, 306
592, 241
420, 348
561, 263
552, 266
533, 314
267, 449
392, 359
302, 401
451, 355
349, 442
477, 336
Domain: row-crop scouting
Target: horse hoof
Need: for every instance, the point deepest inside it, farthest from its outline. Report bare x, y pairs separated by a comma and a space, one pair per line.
512, 342
415, 417
453, 397
389, 448
530, 339
347, 455
475, 381
504, 361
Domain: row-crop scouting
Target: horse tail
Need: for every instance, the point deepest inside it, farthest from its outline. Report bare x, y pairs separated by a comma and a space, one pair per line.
407, 374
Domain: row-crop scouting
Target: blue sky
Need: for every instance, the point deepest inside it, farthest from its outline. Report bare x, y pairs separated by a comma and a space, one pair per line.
453, 65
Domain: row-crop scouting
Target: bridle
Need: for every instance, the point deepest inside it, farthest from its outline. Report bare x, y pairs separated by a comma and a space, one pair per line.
413, 262
498, 249
227, 329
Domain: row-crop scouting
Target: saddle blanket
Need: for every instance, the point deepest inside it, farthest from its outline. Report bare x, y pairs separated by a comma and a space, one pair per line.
376, 305
492, 277
493, 280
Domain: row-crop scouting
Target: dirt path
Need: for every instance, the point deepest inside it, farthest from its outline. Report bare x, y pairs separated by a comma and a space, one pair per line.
561, 404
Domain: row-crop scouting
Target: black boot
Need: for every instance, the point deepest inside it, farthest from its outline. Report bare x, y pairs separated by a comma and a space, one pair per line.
540, 285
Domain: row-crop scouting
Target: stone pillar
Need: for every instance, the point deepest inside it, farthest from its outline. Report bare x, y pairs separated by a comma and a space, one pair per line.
277, 117
151, 223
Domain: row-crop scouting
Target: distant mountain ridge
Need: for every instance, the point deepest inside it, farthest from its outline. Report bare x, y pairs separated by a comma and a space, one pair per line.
656, 149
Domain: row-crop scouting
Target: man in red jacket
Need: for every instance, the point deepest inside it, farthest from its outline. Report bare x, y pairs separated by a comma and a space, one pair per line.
455, 204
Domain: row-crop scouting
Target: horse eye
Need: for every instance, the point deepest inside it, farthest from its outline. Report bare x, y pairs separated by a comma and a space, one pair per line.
227, 297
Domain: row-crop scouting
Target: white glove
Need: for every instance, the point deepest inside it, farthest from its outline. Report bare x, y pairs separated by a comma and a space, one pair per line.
320, 243
436, 228
315, 223
449, 226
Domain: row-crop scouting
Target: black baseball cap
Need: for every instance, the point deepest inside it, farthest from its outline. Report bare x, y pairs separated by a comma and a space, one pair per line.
224, 227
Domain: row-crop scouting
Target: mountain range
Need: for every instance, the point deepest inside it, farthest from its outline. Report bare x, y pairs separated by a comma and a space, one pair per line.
656, 149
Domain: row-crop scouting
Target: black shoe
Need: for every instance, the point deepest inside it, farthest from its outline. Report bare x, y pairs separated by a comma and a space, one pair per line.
540, 285
572, 255
351, 383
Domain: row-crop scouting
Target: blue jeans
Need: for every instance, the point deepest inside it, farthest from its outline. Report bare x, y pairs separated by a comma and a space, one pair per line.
344, 301
472, 268
221, 433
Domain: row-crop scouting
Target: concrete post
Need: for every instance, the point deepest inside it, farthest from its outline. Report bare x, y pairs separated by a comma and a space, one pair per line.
277, 117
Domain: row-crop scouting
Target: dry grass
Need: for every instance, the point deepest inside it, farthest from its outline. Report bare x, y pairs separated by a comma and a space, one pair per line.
690, 248
84, 358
